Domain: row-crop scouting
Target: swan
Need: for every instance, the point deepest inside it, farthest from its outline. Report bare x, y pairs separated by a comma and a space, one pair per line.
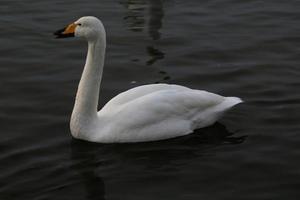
144, 113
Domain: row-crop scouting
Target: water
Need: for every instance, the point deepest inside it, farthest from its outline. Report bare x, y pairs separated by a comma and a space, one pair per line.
248, 49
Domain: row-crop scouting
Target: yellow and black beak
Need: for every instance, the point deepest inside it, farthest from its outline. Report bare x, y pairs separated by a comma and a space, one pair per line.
69, 31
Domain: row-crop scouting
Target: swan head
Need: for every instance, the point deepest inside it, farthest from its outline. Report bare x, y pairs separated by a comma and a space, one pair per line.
88, 27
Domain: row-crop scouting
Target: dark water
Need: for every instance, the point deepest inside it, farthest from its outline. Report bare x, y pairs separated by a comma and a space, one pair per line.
249, 49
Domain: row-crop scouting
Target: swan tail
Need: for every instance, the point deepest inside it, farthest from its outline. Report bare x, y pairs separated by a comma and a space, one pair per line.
229, 102
210, 116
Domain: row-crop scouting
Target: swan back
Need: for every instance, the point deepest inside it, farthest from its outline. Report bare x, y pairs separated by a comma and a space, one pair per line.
159, 111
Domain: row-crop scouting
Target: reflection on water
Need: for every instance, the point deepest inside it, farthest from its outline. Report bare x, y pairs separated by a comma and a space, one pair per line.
155, 54
158, 153
218, 134
236, 48
139, 161
165, 78
85, 163
148, 14
156, 14
135, 17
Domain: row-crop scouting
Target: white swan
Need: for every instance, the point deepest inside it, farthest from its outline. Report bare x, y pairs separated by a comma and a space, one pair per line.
144, 113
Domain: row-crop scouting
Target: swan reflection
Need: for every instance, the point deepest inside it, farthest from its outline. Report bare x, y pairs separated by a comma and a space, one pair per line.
132, 164
164, 153
83, 156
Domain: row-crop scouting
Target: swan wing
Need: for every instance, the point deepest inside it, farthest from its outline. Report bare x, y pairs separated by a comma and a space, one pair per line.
138, 92
161, 114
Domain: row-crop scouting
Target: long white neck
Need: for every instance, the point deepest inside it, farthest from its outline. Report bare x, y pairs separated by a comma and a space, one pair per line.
86, 103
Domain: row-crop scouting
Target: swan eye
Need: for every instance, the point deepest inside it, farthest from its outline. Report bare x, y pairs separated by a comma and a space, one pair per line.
79, 24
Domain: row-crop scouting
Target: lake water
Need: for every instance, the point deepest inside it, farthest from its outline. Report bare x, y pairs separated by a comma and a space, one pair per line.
249, 49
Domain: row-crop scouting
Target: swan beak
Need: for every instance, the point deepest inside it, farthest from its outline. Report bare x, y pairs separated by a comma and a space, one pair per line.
69, 31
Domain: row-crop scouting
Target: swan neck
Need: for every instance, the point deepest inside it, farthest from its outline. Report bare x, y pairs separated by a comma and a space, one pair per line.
87, 96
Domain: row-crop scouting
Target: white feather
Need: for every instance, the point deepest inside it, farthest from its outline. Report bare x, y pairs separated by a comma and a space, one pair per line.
145, 113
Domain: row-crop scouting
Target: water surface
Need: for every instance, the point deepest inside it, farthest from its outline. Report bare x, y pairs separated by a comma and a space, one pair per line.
231, 47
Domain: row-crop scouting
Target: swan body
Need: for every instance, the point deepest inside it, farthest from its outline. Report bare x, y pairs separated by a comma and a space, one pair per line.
145, 113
